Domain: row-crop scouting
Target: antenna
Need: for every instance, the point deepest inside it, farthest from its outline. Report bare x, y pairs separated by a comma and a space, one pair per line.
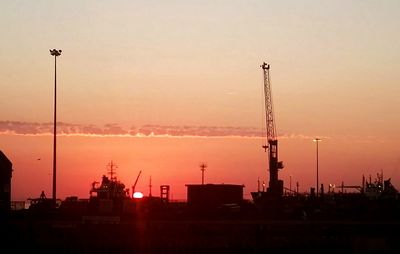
111, 170
203, 167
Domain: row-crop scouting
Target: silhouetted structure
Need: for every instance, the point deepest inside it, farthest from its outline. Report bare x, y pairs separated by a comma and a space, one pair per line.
111, 196
55, 53
213, 195
275, 188
42, 203
164, 189
134, 185
215, 219
5, 182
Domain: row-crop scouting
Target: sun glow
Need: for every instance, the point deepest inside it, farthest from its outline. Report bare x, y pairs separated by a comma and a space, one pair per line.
137, 195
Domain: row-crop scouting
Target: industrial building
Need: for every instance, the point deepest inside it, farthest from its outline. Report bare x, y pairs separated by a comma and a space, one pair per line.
5, 182
213, 195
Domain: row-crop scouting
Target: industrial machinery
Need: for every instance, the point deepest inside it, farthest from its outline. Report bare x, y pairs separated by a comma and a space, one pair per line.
275, 187
134, 185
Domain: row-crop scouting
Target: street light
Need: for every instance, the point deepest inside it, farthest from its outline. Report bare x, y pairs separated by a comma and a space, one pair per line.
317, 140
203, 167
55, 53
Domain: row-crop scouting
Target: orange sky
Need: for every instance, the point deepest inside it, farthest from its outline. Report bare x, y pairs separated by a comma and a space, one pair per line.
191, 68
175, 161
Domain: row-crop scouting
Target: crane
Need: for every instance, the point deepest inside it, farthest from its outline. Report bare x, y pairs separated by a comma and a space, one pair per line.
134, 185
275, 185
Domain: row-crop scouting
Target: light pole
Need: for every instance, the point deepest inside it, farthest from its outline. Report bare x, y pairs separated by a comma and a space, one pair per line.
203, 167
55, 53
317, 140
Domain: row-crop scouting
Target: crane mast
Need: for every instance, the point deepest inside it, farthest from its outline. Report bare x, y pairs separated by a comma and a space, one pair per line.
275, 185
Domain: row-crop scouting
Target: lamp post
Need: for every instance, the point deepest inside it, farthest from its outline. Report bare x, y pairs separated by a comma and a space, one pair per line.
55, 53
317, 140
203, 167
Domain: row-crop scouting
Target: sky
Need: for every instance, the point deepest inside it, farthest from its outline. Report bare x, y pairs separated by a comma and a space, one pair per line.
163, 86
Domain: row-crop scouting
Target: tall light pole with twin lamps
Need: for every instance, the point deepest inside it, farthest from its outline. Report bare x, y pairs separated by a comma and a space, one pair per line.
317, 140
203, 167
55, 53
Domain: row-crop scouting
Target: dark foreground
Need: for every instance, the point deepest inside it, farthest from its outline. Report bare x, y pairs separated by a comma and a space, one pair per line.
108, 234
347, 224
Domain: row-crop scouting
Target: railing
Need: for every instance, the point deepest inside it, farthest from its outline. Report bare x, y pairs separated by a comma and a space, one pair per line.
17, 205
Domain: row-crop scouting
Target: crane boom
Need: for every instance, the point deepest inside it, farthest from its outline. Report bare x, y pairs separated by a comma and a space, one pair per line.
275, 185
270, 124
134, 185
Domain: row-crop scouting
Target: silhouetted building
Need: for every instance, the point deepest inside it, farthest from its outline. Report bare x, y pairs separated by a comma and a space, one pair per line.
164, 189
214, 195
5, 182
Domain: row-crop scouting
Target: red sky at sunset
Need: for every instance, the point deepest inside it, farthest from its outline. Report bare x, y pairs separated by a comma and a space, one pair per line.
162, 86
175, 160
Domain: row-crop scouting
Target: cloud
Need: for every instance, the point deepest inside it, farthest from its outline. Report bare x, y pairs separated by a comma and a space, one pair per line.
196, 131
113, 129
10, 127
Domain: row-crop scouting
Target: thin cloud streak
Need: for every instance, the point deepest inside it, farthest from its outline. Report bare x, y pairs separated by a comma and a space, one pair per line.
145, 131
113, 129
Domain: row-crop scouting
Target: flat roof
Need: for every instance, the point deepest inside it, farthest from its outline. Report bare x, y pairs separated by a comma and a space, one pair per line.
214, 184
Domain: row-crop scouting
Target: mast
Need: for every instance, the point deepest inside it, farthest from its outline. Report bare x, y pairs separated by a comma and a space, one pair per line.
111, 171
